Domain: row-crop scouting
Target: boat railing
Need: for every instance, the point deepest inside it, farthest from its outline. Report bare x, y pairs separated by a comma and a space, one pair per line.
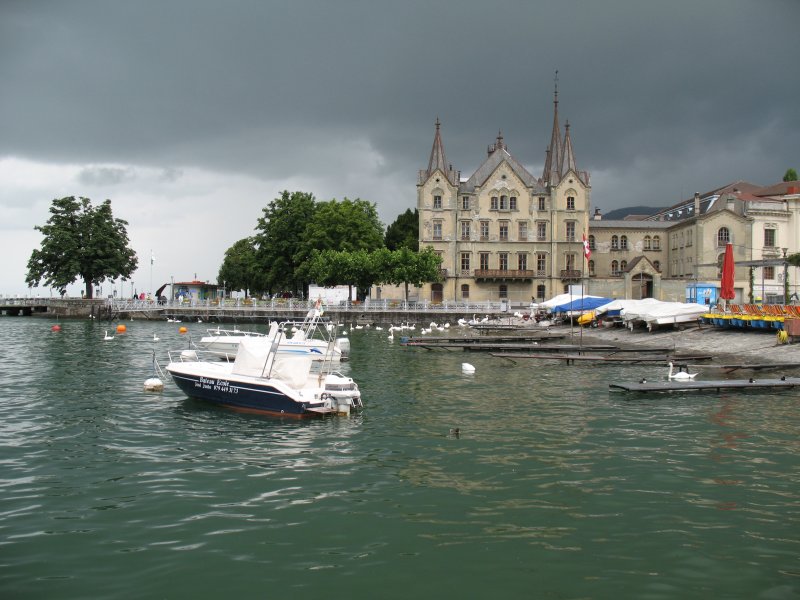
197, 355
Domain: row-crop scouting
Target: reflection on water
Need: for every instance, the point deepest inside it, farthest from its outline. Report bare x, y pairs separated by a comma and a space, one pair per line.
552, 484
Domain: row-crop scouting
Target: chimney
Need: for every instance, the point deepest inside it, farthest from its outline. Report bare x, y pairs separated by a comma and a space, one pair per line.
696, 203
597, 215
730, 202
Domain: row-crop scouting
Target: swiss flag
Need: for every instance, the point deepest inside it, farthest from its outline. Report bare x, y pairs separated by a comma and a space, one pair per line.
587, 252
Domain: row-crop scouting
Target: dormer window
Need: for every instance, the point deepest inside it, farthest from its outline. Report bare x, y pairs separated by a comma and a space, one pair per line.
570, 203
465, 202
437, 202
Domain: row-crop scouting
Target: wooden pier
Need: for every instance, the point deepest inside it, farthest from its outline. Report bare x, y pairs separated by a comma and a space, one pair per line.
717, 385
678, 359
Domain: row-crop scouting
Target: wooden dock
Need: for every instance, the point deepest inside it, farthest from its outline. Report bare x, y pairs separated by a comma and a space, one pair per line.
512, 347
486, 339
753, 367
717, 385
607, 358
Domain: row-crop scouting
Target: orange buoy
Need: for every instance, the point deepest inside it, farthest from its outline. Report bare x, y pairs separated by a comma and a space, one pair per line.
121, 328
55, 328
182, 330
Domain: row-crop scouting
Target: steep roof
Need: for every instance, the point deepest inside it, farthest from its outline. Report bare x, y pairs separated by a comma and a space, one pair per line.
741, 190
552, 174
567, 162
498, 154
438, 160
779, 189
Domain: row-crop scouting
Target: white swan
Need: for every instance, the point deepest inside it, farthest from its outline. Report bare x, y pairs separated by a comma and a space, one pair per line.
108, 337
681, 375
155, 337
467, 368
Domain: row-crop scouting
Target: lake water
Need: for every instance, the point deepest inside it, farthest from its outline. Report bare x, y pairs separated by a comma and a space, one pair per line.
555, 488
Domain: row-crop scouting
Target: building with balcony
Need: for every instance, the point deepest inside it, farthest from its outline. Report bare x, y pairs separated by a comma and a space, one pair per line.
502, 233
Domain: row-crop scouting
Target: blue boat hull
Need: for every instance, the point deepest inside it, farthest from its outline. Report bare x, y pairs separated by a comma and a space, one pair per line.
246, 397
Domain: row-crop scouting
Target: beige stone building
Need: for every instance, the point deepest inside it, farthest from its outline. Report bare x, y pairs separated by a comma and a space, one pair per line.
676, 254
505, 234
502, 233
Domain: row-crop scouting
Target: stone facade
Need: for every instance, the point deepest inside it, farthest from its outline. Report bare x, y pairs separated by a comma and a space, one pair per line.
504, 234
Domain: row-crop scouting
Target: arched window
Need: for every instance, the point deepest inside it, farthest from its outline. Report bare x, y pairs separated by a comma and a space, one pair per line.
656, 243
591, 242
614, 242
657, 265
623, 265
623, 242
590, 264
614, 268
647, 242
723, 236
464, 291
570, 203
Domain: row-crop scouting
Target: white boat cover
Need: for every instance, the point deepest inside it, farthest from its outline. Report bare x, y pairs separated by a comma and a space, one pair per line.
253, 352
655, 311
253, 357
626, 306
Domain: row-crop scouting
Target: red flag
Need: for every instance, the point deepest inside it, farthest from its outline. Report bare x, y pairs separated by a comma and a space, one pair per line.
587, 252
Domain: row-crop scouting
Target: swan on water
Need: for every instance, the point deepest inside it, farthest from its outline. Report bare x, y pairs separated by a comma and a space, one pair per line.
108, 337
680, 375
467, 368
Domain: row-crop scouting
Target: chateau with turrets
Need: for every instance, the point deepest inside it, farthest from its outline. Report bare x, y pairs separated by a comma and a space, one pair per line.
505, 234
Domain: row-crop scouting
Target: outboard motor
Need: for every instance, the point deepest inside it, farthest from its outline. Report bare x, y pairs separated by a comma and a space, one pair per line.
344, 345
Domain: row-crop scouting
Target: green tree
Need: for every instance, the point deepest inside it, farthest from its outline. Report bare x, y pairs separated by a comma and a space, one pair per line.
280, 240
790, 175
357, 268
404, 266
348, 225
83, 242
239, 270
404, 232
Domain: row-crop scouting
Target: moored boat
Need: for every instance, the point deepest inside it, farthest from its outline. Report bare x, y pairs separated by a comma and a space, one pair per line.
312, 333
263, 379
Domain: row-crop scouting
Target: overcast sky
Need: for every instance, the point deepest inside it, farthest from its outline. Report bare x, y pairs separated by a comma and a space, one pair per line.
192, 115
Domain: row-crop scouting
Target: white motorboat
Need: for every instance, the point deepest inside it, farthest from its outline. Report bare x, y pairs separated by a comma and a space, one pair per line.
264, 378
312, 333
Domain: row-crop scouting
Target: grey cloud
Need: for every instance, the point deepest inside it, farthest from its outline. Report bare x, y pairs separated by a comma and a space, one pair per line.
106, 176
654, 91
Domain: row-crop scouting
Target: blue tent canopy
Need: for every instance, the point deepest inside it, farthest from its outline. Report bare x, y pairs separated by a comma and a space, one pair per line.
579, 304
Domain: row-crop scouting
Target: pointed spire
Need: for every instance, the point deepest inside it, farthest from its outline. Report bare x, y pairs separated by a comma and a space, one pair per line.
551, 170
567, 157
437, 159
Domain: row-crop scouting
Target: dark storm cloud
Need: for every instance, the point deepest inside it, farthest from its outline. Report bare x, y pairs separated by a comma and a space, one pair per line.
663, 98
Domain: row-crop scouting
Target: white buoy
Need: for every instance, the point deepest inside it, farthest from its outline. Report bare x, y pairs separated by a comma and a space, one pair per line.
467, 368
154, 384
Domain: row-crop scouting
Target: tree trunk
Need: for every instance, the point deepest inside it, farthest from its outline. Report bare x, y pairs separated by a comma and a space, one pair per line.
405, 285
89, 289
